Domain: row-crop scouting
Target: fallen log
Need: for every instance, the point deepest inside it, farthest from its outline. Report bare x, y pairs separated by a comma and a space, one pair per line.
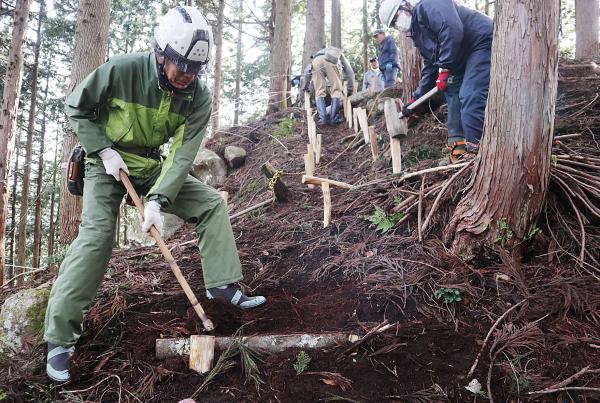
274, 343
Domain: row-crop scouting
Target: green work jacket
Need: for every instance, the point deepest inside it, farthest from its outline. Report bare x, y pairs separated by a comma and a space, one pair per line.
121, 105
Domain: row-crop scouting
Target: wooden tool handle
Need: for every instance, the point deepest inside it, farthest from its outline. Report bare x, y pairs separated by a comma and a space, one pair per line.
206, 322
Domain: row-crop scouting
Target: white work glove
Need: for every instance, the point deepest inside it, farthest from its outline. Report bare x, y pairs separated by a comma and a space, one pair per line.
113, 162
152, 217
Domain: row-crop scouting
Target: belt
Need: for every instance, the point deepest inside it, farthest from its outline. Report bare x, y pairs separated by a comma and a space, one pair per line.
147, 152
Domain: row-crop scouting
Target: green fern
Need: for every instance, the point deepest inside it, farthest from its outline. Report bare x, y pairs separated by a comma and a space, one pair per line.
302, 361
384, 222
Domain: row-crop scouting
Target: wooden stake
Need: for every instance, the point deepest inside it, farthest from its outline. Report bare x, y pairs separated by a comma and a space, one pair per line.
326, 204
396, 152
349, 114
318, 181
202, 353
396, 127
364, 124
318, 148
307, 105
355, 119
309, 163
373, 142
312, 131
206, 322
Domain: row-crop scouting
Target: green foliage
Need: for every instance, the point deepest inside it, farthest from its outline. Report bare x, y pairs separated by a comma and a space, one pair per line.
302, 361
503, 232
421, 153
532, 233
249, 358
384, 222
519, 383
39, 393
448, 295
285, 128
3, 396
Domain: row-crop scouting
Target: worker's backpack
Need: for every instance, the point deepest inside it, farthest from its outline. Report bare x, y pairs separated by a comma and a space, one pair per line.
333, 54
76, 171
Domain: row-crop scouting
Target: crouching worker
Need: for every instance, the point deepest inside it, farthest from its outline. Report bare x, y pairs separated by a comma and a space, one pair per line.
122, 113
455, 43
325, 65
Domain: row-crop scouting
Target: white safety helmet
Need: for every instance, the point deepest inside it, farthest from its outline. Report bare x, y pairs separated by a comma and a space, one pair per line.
388, 10
184, 37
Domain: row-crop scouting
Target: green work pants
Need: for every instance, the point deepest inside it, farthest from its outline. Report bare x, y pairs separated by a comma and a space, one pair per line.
87, 258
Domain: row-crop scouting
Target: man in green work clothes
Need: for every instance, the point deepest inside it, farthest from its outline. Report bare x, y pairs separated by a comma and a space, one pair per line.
123, 113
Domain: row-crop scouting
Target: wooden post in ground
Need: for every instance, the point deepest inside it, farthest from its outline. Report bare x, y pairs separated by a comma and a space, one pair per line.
318, 148
225, 195
326, 204
309, 163
307, 104
364, 124
355, 119
396, 152
202, 353
349, 115
373, 142
312, 132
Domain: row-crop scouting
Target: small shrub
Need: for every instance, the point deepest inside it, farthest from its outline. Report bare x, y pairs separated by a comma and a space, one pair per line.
302, 361
384, 222
532, 233
448, 295
422, 153
503, 232
285, 128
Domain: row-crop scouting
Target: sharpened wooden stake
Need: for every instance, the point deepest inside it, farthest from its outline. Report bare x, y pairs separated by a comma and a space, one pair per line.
307, 105
309, 163
355, 119
396, 152
373, 142
206, 322
202, 353
314, 180
349, 115
326, 204
364, 124
318, 148
312, 131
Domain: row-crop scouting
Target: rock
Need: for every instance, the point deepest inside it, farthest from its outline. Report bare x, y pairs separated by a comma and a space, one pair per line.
22, 319
209, 168
135, 235
235, 156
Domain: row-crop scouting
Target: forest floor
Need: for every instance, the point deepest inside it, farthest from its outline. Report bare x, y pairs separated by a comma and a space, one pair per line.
349, 277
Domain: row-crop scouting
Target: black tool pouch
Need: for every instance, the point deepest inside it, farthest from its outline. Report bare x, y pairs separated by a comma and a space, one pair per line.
76, 171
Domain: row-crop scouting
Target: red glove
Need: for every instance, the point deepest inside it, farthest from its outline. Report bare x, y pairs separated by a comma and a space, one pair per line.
441, 80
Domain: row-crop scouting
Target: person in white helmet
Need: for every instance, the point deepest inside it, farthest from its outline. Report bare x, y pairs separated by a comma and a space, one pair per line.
455, 43
123, 113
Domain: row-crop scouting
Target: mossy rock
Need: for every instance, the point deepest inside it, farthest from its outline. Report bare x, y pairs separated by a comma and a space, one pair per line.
22, 319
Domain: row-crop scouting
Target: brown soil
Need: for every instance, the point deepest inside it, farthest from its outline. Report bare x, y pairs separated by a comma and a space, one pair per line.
345, 277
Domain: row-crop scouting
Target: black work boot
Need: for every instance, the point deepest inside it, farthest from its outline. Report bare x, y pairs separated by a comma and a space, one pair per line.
322, 110
232, 294
58, 362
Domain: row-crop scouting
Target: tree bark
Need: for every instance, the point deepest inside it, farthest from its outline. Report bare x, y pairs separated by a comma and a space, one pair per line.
239, 59
8, 113
91, 42
218, 62
336, 24
13, 208
511, 175
587, 15
366, 36
410, 58
22, 241
280, 62
52, 229
314, 36
37, 225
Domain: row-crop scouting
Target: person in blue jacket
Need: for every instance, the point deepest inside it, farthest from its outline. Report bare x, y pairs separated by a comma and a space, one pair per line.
455, 43
388, 57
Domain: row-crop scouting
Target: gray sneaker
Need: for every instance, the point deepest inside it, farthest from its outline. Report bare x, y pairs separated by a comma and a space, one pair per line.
58, 362
232, 294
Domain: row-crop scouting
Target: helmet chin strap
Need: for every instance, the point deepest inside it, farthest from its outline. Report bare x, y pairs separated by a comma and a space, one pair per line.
163, 81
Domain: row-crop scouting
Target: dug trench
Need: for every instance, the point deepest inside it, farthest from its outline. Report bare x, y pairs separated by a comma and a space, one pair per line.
350, 277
